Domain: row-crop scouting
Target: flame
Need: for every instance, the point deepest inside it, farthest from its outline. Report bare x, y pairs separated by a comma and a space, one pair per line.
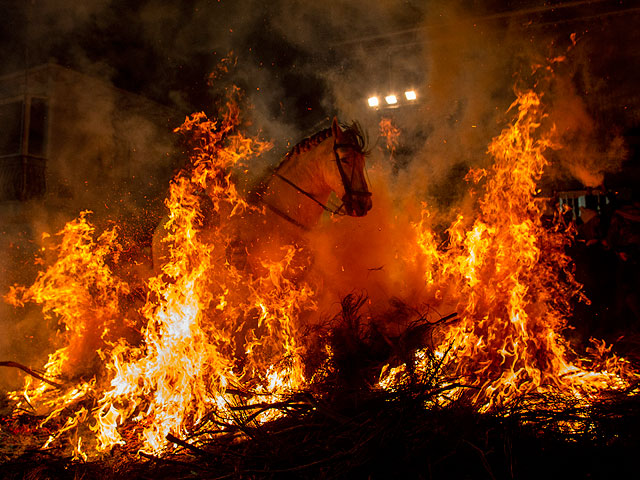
511, 282
391, 133
212, 339
209, 326
213, 336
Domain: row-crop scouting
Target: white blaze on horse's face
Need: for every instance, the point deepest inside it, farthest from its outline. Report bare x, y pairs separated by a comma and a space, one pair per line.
349, 182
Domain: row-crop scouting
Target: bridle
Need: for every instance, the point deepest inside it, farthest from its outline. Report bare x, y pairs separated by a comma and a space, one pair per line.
347, 184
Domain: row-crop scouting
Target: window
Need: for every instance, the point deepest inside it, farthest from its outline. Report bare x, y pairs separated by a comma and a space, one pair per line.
37, 127
11, 128
23, 148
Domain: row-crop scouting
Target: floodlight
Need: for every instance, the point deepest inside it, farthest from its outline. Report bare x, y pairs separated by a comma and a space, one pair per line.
410, 95
373, 101
391, 99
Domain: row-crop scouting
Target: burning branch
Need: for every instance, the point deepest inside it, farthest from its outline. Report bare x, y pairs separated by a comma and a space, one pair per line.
31, 372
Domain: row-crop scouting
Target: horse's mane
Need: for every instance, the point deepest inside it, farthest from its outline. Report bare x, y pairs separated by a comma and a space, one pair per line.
308, 143
353, 131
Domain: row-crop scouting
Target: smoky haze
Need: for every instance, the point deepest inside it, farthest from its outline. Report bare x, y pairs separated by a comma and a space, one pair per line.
302, 62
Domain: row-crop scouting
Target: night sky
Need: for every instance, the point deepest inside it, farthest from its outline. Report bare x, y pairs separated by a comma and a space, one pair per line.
301, 62
166, 49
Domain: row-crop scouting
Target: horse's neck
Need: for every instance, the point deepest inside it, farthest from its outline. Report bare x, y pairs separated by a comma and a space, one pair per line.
305, 170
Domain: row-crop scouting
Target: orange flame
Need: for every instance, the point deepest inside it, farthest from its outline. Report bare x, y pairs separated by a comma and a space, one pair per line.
207, 325
511, 281
212, 326
391, 133
212, 337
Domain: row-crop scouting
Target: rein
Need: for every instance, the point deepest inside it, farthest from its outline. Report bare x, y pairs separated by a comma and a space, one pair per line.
304, 192
279, 212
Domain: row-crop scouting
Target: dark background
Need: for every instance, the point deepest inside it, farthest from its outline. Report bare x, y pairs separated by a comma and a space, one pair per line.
292, 51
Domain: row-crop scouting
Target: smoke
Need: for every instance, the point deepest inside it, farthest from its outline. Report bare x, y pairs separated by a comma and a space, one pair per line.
470, 70
589, 146
299, 64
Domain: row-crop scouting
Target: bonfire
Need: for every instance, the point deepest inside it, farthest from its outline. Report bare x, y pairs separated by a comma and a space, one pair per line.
218, 358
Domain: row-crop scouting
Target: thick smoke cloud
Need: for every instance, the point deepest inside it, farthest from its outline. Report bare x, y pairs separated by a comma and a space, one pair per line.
165, 50
301, 62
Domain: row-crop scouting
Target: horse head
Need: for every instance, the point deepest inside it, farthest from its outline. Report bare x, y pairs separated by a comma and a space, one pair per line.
349, 179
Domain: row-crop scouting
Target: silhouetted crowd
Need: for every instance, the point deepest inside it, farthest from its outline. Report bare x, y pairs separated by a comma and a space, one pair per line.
606, 252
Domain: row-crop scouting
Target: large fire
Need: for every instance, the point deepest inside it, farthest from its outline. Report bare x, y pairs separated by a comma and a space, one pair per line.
511, 281
212, 337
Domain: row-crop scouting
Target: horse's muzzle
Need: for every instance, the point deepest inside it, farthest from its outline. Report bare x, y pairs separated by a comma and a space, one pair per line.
357, 204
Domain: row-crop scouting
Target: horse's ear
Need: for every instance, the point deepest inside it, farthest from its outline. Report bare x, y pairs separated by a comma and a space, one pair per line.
335, 128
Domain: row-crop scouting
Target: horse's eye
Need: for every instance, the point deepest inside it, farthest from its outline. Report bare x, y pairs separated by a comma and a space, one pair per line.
346, 161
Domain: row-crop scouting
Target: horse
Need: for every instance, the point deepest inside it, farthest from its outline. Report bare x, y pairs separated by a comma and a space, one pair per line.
332, 160
295, 194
